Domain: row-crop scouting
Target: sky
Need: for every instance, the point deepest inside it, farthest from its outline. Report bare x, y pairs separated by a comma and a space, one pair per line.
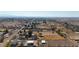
39, 13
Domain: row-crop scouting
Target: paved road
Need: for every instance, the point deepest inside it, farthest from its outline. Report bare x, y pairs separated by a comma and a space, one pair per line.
6, 40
